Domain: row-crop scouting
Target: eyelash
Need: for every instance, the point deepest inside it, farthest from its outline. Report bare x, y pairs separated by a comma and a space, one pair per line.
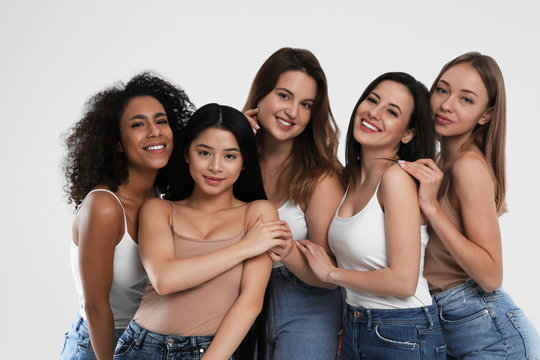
466, 100
230, 157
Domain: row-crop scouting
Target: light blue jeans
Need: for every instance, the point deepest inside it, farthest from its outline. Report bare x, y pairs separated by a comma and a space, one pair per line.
480, 325
404, 334
77, 344
305, 320
137, 343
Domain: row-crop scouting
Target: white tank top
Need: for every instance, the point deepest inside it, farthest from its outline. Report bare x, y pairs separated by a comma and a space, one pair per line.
359, 243
296, 219
129, 277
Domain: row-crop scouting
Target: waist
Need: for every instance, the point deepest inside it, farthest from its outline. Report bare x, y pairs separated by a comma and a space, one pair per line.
177, 342
418, 315
465, 290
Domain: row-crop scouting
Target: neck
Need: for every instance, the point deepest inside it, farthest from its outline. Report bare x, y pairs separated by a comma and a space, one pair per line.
210, 203
276, 149
452, 147
374, 163
139, 186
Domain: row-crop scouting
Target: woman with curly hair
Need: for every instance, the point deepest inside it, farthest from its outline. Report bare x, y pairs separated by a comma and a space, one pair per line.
297, 142
117, 158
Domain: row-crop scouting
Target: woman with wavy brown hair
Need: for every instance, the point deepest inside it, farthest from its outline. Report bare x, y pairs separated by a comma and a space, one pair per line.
117, 157
297, 140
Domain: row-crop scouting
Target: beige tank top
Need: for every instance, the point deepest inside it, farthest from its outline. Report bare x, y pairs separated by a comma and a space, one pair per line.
199, 310
440, 268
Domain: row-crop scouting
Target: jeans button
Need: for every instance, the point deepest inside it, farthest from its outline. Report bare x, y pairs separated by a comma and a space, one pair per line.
201, 350
356, 314
170, 341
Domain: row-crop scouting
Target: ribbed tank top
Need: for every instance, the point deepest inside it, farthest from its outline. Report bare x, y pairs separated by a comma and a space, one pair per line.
296, 219
359, 243
199, 310
129, 277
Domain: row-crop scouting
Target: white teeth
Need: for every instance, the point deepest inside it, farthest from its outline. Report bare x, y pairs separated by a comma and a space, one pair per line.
156, 147
284, 123
369, 126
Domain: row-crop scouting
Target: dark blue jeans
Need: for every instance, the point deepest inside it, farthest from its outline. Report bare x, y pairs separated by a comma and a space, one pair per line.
392, 334
137, 343
480, 325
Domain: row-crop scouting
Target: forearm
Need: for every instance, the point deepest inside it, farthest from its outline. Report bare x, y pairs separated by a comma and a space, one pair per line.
299, 265
101, 328
383, 282
172, 275
233, 329
472, 258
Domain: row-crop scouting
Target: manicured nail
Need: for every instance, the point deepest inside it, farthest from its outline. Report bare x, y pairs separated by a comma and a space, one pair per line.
401, 163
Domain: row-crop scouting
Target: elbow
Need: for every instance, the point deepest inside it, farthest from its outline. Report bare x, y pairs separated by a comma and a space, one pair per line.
490, 284
406, 288
161, 286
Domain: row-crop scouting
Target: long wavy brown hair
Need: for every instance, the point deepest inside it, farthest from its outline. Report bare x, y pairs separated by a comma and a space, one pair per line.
490, 138
314, 152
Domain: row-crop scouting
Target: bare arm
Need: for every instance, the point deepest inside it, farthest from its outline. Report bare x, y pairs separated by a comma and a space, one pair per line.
402, 228
478, 250
248, 305
98, 228
319, 213
169, 275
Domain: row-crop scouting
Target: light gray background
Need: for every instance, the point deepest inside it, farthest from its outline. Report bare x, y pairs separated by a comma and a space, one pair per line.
55, 54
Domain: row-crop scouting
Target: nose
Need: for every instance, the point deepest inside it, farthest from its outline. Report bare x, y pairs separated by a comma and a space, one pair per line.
214, 164
374, 112
153, 130
292, 110
448, 104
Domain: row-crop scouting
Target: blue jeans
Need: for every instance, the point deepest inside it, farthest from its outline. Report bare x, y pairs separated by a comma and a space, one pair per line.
137, 343
480, 325
305, 320
392, 334
77, 344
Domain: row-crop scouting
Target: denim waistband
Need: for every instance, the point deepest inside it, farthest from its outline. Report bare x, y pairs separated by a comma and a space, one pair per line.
172, 342
467, 289
282, 271
420, 315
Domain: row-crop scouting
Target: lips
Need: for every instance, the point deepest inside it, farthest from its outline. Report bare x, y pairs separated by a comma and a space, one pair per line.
368, 126
155, 148
212, 180
284, 123
443, 120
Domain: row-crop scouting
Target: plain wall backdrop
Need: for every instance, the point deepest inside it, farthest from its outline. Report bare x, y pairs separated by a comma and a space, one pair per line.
56, 54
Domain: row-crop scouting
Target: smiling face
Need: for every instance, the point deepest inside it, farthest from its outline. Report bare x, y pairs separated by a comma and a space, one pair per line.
146, 138
381, 119
215, 161
459, 101
285, 111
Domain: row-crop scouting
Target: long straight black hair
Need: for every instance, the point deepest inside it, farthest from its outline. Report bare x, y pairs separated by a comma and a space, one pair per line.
248, 187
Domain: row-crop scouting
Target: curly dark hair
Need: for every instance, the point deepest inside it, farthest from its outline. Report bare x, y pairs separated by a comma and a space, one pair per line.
93, 157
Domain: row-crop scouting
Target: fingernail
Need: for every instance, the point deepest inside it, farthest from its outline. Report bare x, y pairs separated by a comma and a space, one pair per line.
401, 163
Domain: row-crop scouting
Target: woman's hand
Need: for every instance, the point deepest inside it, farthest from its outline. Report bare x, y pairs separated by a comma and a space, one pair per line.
251, 116
281, 251
272, 236
429, 176
318, 259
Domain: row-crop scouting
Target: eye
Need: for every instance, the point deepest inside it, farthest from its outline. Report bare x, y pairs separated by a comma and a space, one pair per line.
137, 124
441, 90
162, 121
371, 100
466, 100
307, 105
284, 96
230, 156
204, 153
392, 112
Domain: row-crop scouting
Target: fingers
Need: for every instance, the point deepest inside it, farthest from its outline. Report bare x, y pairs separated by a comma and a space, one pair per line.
251, 116
423, 169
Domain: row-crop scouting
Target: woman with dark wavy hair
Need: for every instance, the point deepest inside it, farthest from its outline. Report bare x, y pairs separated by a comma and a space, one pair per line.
117, 157
297, 142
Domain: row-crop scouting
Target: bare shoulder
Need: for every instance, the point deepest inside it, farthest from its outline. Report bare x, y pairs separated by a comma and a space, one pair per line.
102, 206
261, 207
471, 163
396, 179
155, 204
329, 180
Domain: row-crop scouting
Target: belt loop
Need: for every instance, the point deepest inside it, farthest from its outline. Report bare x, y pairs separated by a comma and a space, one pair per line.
428, 316
140, 337
79, 323
285, 272
369, 319
194, 346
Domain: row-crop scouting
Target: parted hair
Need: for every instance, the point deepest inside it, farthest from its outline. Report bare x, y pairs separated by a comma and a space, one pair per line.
490, 138
93, 156
314, 152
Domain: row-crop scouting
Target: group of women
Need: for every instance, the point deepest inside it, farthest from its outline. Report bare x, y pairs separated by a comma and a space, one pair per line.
196, 239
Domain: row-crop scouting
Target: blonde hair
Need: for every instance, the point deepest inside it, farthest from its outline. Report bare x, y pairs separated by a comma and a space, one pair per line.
490, 138
314, 152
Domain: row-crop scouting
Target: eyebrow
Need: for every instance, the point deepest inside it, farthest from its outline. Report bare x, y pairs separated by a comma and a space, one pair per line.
462, 90
391, 104
144, 117
290, 93
211, 148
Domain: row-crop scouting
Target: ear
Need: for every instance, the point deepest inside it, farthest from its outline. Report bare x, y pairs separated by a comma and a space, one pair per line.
408, 136
186, 158
486, 117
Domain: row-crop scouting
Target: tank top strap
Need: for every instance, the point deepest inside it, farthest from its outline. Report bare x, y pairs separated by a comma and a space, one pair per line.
117, 199
172, 216
245, 217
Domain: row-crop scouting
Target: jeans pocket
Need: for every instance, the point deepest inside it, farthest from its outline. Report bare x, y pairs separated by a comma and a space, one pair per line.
123, 346
462, 312
528, 333
440, 353
401, 337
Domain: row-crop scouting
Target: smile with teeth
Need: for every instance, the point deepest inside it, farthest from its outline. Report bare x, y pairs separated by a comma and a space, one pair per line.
154, 147
369, 126
284, 123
